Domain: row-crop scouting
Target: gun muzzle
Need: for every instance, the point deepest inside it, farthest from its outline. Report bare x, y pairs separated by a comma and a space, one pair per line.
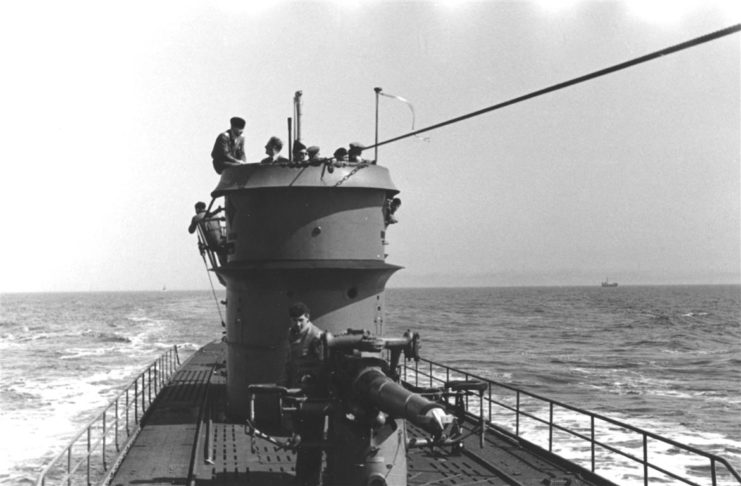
392, 398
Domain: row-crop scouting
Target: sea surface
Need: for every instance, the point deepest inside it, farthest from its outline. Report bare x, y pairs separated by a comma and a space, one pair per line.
665, 359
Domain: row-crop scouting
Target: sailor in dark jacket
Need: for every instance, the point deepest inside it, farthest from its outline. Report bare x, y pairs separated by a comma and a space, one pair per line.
304, 363
228, 149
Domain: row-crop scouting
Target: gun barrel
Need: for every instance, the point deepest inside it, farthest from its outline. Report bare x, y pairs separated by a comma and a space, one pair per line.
364, 342
373, 384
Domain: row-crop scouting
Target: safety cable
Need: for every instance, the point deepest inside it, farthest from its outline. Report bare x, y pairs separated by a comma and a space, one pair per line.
624, 65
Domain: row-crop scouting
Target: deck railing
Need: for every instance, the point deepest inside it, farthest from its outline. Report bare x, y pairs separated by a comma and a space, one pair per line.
575, 434
90, 454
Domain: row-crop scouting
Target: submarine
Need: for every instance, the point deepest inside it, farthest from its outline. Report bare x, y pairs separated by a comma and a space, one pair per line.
315, 231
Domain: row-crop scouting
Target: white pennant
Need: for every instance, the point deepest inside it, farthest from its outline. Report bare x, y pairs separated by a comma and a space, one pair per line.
406, 102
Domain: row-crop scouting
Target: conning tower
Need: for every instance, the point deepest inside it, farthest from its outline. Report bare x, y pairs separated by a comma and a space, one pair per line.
299, 232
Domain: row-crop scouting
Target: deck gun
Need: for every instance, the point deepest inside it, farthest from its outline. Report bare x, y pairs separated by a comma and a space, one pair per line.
353, 408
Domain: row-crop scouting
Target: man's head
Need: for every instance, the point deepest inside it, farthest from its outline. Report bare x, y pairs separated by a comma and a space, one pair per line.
299, 316
274, 146
356, 149
312, 151
299, 151
340, 154
237, 125
200, 206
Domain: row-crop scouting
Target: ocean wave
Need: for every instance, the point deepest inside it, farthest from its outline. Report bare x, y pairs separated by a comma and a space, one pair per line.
107, 337
14, 399
188, 346
149, 320
9, 344
76, 353
27, 335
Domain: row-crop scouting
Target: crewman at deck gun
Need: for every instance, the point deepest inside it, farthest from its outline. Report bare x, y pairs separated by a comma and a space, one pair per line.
304, 363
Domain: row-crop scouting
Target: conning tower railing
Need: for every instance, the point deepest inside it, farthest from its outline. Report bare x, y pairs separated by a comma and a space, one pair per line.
573, 433
91, 453
212, 240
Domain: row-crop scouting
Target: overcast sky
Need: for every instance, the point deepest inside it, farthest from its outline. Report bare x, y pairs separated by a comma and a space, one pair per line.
108, 113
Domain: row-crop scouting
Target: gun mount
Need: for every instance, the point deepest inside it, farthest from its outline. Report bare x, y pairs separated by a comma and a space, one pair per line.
353, 408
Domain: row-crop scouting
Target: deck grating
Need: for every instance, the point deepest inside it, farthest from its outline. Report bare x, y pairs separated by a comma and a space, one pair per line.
238, 460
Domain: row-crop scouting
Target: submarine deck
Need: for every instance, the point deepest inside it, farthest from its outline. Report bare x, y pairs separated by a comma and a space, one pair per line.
186, 439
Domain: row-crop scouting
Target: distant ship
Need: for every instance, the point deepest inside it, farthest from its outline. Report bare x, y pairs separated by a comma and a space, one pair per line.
607, 283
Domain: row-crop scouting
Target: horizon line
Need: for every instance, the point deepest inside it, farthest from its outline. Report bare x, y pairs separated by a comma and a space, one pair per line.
411, 287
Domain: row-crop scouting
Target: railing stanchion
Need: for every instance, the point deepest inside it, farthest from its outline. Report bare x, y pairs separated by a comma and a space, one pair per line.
645, 459
116, 427
127, 412
550, 427
430, 374
490, 420
591, 428
517, 414
69, 466
465, 378
88, 456
712, 470
481, 417
105, 432
136, 401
